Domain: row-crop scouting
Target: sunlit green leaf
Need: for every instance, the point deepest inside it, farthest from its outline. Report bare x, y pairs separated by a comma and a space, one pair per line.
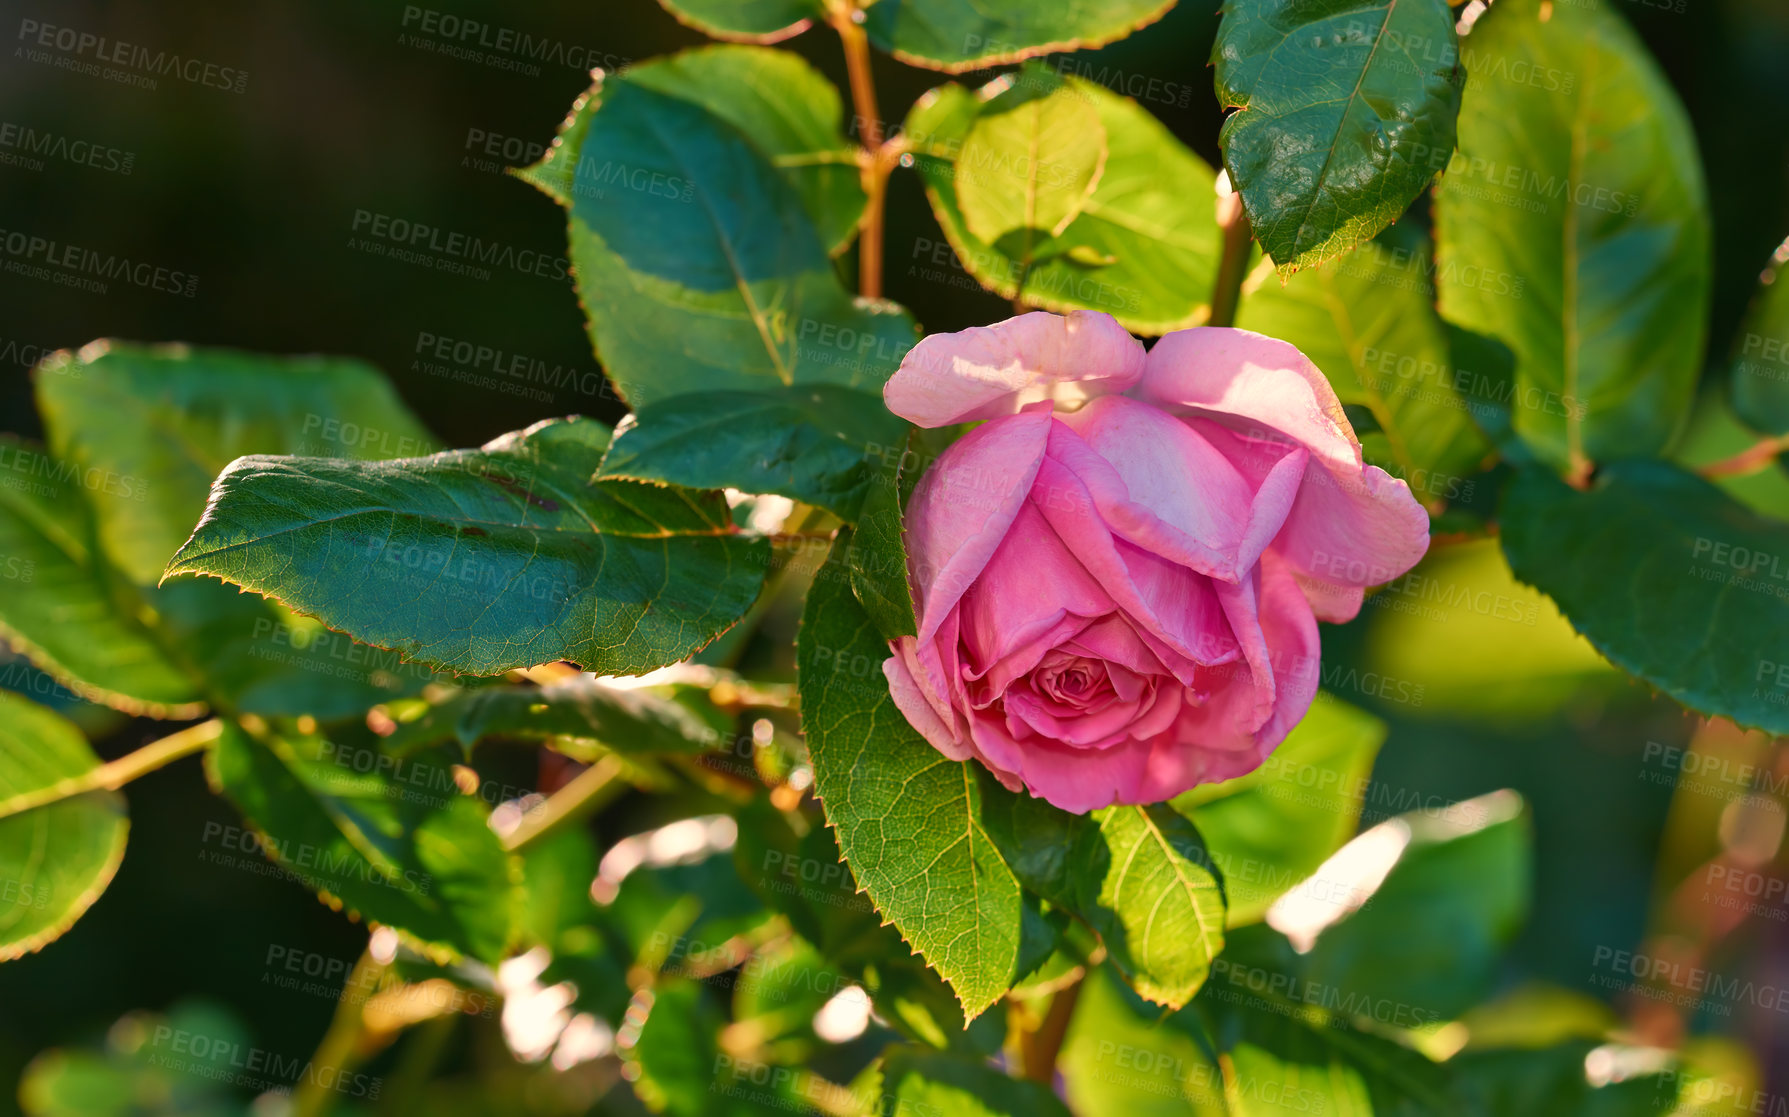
1573, 226
1144, 246
55, 859
148, 427
908, 819
958, 35
486, 559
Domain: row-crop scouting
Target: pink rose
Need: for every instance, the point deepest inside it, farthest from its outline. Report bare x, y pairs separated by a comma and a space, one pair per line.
1119, 573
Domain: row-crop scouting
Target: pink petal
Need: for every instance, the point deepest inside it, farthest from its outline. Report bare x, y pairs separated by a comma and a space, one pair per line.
988, 371
1183, 498
965, 504
1173, 608
1203, 752
922, 709
1028, 588
1351, 525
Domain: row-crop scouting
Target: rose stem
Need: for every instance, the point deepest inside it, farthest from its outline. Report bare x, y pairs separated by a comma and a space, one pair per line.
879, 158
1234, 224
115, 774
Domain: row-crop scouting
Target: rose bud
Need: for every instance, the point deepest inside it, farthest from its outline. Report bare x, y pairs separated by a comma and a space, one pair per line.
1120, 571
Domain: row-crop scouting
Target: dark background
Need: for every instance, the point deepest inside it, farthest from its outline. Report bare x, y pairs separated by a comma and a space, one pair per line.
256, 194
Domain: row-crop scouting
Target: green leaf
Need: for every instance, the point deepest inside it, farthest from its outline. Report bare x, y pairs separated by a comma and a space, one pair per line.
1272, 828
680, 1069
1574, 227
1761, 354
790, 114
810, 443
64, 607
1553, 1082
483, 560
1028, 166
805, 878
150, 1067
1121, 1059
1284, 1057
698, 264
1149, 888
959, 35
907, 819
401, 847
1345, 111
56, 859
149, 426
1368, 322
1686, 591
1429, 938
626, 720
916, 1081
748, 21
1144, 247
878, 554
1140, 876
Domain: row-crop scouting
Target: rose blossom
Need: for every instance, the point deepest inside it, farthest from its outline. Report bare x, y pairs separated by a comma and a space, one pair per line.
1119, 573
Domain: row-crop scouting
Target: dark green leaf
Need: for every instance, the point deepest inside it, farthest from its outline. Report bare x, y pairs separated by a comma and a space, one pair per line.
56, 859
1554, 1082
1431, 935
788, 111
482, 560
750, 21
1272, 828
1144, 246
626, 720
698, 263
401, 848
1368, 322
908, 819
812, 443
1573, 226
878, 552
916, 1081
1761, 355
148, 427
680, 1068
1686, 589
959, 35
1345, 111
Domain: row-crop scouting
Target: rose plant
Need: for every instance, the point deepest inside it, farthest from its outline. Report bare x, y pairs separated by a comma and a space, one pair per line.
1057, 734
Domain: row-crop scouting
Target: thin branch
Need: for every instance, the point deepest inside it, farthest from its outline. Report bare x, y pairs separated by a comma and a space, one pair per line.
1040, 1049
573, 801
879, 158
341, 1049
1752, 459
115, 774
